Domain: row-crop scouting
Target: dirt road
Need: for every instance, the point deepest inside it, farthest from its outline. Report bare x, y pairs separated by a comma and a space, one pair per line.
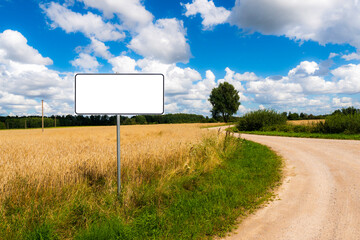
320, 196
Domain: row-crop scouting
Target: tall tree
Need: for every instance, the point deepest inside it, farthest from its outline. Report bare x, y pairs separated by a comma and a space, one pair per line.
225, 101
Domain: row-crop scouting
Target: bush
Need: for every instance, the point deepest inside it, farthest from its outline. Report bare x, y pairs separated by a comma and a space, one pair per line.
342, 123
261, 119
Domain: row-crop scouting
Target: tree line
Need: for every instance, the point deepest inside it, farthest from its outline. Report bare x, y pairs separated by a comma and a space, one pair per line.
13, 122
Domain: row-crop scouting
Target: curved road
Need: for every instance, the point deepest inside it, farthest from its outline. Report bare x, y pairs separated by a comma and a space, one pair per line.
320, 195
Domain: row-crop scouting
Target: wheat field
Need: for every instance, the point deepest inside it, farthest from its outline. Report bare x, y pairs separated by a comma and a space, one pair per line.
305, 122
62, 156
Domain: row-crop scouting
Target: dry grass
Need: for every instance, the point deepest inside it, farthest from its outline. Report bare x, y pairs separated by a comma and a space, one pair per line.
305, 122
64, 156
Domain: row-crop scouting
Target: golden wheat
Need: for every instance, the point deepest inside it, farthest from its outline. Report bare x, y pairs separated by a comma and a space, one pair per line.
305, 122
62, 156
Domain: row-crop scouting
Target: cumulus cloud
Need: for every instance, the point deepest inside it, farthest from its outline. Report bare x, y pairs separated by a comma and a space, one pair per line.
304, 68
14, 47
332, 55
242, 109
347, 79
324, 21
210, 14
171, 108
178, 80
85, 62
246, 76
303, 86
351, 56
131, 12
123, 64
163, 41
98, 48
233, 79
25, 80
342, 102
89, 24
185, 89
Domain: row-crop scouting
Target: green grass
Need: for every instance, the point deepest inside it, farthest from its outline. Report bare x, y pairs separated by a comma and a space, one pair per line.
303, 134
219, 125
197, 205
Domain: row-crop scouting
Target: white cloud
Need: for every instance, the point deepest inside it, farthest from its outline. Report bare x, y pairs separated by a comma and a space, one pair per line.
131, 12
268, 85
304, 68
24, 81
8, 99
243, 109
171, 108
177, 80
324, 21
261, 107
163, 41
89, 24
123, 64
95, 48
351, 56
233, 79
99, 49
342, 102
246, 76
347, 78
86, 62
14, 47
185, 89
332, 55
210, 14
304, 88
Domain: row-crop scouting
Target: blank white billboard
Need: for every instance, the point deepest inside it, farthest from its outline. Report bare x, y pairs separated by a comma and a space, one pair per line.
125, 94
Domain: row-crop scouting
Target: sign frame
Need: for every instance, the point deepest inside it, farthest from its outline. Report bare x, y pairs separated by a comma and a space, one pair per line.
123, 74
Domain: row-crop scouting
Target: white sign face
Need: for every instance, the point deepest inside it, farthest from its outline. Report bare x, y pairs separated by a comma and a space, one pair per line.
126, 94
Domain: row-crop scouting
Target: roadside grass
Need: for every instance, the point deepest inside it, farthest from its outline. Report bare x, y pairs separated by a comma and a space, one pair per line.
301, 134
217, 125
201, 201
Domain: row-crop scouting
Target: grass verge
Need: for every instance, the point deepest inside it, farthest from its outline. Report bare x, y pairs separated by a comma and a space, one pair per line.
196, 204
302, 134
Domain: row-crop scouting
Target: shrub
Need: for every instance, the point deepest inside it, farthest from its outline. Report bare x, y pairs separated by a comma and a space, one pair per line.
261, 119
342, 123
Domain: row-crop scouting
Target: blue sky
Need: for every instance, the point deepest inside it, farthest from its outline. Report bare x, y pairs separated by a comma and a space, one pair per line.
299, 55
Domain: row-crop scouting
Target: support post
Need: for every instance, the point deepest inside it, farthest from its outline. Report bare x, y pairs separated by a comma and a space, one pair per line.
55, 120
118, 155
42, 115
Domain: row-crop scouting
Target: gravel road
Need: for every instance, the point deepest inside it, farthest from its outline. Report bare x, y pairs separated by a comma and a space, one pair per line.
320, 195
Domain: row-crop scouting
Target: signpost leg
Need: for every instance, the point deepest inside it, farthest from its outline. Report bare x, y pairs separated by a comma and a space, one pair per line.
118, 155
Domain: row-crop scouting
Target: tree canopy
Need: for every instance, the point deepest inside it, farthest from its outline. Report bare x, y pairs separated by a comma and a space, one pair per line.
225, 100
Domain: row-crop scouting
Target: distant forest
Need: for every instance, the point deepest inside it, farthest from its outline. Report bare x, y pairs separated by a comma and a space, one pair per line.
11, 122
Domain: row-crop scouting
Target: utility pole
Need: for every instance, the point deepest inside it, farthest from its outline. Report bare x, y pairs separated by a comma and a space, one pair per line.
42, 115
55, 120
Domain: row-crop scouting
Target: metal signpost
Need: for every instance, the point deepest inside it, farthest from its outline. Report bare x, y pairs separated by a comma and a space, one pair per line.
119, 94
118, 154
